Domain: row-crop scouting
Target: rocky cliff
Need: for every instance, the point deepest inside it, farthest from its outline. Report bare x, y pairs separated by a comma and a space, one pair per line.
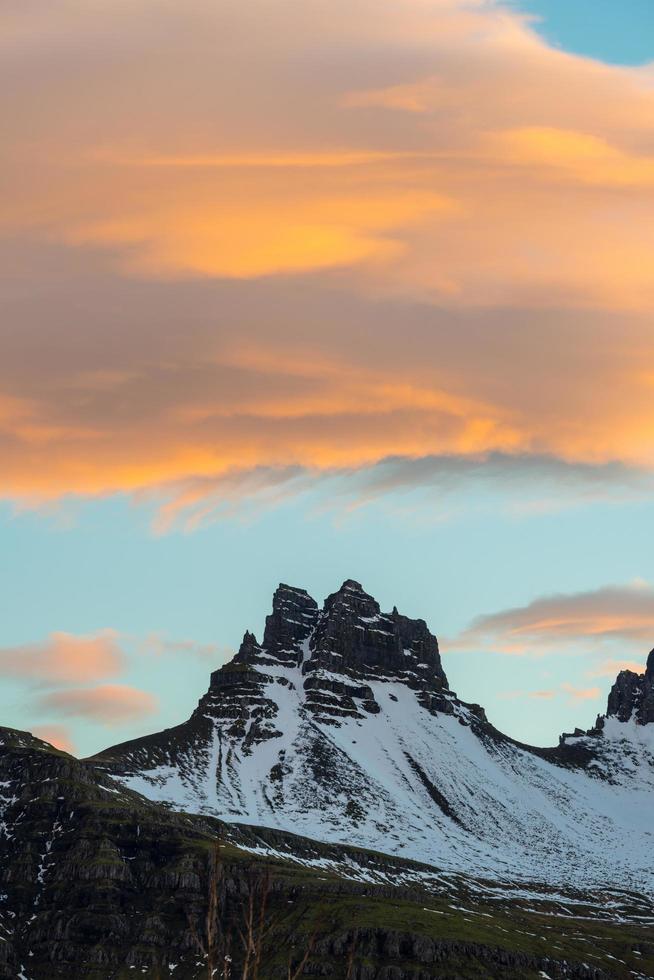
632, 695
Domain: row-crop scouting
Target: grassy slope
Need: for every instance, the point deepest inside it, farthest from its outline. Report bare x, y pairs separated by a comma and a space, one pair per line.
318, 908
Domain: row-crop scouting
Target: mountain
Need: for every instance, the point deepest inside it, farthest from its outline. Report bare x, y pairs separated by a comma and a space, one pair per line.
341, 726
98, 883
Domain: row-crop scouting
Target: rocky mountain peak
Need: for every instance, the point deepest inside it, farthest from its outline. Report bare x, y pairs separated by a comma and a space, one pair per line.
353, 636
355, 644
632, 695
338, 651
249, 649
352, 595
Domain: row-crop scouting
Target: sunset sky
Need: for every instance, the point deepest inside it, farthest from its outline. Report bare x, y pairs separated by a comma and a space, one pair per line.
308, 291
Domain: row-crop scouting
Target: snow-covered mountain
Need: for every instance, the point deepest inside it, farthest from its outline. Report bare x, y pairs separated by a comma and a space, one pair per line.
341, 726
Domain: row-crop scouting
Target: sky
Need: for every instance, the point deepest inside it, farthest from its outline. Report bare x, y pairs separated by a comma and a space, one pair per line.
618, 33
300, 293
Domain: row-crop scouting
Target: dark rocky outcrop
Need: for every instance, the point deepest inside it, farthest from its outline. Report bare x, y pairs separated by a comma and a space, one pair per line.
291, 623
431, 958
632, 695
355, 640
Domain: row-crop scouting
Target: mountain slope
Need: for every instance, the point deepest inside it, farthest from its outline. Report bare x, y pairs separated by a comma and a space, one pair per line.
99, 883
341, 726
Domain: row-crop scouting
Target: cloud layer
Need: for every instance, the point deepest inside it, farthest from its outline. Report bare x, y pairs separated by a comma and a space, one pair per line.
334, 234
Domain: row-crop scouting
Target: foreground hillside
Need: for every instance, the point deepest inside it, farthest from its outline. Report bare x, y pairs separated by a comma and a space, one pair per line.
98, 882
341, 726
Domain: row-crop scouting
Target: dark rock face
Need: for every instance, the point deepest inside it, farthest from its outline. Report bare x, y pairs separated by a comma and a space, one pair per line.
632, 695
355, 640
236, 690
353, 635
293, 619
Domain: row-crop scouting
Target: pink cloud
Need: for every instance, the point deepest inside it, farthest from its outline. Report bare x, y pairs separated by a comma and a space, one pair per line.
109, 704
581, 693
610, 668
64, 658
57, 735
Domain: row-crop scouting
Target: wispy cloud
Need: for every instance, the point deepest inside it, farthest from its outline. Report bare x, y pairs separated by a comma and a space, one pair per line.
159, 644
614, 612
526, 483
108, 704
611, 668
545, 695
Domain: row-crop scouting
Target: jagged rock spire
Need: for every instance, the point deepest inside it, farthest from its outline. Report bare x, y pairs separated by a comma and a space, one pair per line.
293, 619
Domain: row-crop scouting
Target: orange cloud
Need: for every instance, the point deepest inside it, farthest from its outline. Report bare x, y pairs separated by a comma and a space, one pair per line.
265, 237
574, 694
57, 735
64, 658
431, 203
264, 263
286, 161
546, 695
578, 156
109, 704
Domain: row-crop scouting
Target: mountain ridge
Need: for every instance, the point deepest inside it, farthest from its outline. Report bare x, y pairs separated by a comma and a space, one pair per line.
341, 725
